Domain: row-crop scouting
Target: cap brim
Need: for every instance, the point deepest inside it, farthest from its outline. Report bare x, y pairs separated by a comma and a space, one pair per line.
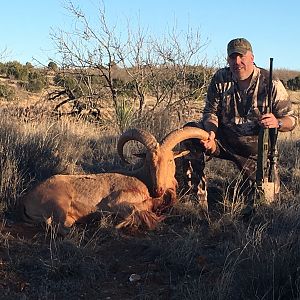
236, 50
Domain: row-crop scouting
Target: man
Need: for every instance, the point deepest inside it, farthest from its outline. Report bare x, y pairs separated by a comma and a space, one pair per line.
235, 109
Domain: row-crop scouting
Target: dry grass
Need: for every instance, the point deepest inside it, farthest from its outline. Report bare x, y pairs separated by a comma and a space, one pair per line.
191, 256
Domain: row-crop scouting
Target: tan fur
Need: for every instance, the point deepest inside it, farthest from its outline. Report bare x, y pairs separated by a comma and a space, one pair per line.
65, 199
136, 196
158, 169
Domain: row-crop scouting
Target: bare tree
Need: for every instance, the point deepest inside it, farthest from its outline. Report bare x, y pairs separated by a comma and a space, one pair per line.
3, 54
125, 72
170, 70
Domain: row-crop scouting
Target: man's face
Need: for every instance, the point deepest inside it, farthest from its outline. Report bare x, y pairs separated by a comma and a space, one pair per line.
241, 65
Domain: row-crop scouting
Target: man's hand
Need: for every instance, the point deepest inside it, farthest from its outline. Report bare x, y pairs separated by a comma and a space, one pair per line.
268, 121
210, 143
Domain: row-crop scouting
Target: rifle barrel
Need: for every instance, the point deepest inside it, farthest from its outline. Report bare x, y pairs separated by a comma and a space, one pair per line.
270, 85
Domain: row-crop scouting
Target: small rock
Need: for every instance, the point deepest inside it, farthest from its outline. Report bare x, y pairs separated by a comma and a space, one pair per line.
134, 277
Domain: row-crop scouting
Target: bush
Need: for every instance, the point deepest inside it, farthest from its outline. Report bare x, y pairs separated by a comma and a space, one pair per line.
15, 70
52, 66
71, 83
7, 92
36, 82
294, 83
3, 69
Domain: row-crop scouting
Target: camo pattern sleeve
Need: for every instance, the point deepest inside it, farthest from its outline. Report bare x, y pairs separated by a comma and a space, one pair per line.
212, 103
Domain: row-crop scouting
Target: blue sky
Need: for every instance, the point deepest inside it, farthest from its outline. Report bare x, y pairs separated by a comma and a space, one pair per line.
271, 26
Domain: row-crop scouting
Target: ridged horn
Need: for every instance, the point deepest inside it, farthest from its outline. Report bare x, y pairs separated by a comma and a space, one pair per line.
133, 134
179, 135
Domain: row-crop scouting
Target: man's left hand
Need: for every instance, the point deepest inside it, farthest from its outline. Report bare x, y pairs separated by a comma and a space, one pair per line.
268, 121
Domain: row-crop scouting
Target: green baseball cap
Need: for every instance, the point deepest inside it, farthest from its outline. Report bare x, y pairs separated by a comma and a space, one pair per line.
239, 45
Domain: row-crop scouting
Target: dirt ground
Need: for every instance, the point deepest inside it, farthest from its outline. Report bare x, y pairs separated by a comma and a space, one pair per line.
118, 258
98, 262
119, 265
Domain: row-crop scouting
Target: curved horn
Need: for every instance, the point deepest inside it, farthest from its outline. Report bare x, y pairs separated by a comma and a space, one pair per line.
142, 136
179, 135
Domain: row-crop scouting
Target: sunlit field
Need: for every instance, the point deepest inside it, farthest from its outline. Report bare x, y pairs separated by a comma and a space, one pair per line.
191, 255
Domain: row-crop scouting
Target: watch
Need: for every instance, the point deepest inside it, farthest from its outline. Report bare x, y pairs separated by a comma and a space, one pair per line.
279, 124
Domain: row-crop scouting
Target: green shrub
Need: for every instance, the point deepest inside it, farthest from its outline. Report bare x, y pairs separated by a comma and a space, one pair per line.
124, 114
294, 83
36, 82
3, 69
7, 92
16, 70
72, 83
52, 66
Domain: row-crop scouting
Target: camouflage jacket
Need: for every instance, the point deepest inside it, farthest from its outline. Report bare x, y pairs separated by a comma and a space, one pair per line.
236, 112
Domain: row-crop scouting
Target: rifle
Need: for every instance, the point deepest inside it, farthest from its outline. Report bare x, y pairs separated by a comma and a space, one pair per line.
267, 154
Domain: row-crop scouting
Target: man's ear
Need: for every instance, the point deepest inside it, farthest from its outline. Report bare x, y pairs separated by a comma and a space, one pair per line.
178, 154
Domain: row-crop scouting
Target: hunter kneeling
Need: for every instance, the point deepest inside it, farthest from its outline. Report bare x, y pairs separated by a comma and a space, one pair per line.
236, 111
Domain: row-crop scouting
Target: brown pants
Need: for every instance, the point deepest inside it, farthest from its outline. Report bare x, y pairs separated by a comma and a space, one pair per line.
194, 164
